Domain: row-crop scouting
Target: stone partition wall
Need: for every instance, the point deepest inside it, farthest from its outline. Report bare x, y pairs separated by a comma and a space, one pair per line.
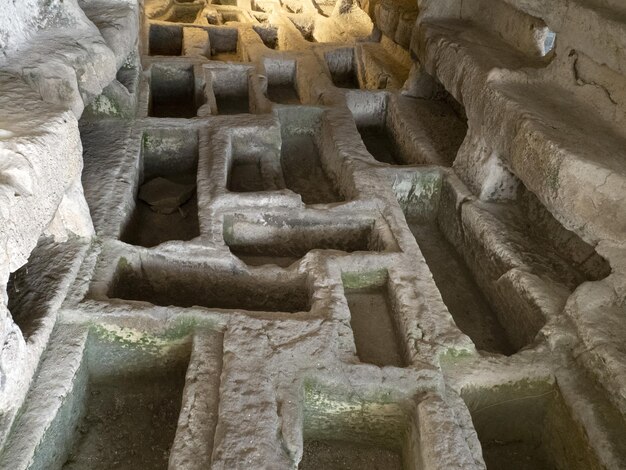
312, 234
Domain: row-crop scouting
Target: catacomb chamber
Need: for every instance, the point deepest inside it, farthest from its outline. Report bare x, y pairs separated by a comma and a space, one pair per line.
312, 234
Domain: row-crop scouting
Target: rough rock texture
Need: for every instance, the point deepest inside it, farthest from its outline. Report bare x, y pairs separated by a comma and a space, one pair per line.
54, 61
313, 234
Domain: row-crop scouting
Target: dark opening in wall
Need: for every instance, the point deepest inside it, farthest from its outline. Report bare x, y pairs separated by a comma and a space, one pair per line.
166, 40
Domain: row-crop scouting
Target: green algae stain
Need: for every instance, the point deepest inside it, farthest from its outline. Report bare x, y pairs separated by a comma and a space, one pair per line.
361, 280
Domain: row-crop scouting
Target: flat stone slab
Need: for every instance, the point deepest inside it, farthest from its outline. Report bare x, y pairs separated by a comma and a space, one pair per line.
165, 196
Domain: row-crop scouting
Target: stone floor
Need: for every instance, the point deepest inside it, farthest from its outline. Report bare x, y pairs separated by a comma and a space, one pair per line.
309, 282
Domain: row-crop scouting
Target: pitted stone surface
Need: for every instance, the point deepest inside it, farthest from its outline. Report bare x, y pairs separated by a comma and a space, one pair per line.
376, 234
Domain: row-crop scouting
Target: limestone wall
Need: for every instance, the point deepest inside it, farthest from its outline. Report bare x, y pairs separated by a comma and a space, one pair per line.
57, 56
387, 231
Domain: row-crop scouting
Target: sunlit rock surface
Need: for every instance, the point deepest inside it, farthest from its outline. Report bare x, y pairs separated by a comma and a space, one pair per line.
312, 234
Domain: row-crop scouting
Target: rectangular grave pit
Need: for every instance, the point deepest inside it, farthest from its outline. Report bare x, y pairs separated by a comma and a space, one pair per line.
183, 13
465, 269
371, 115
281, 81
129, 401
372, 318
380, 144
224, 44
283, 240
170, 154
342, 67
173, 91
268, 34
527, 426
254, 163
342, 432
303, 170
230, 88
187, 285
165, 40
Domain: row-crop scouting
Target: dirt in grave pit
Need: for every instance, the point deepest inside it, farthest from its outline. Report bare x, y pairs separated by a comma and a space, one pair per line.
374, 331
337, 455
283, 94
129, 424
303, 170
515, 456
